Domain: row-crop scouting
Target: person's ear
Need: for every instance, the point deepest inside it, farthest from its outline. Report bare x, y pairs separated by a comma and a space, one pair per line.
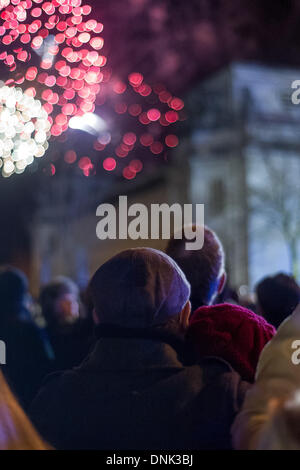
222, 283
184, 316
259, 309
95, 317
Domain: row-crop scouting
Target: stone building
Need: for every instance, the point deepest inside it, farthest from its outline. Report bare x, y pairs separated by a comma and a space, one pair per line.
242, 124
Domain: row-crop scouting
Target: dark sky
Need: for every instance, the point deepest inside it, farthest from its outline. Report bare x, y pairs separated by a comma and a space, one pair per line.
176, 42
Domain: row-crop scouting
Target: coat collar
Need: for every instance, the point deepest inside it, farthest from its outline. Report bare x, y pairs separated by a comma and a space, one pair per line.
136, 349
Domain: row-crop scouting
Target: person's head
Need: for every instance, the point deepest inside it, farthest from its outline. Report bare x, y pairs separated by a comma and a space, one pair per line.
277, 297
13, 291
16, 431
60, 301
140, 288
203, 268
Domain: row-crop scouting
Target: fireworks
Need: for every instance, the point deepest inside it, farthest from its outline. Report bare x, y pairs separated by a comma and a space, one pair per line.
65, 42
146, 116
24, 130
52, 49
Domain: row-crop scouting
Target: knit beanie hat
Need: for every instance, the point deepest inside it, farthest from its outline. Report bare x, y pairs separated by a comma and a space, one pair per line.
139, 288
232, 333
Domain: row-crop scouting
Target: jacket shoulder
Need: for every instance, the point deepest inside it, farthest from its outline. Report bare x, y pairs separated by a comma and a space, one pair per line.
223, 379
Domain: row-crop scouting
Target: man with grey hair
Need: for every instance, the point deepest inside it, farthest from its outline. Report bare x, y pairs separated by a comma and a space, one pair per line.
137, 390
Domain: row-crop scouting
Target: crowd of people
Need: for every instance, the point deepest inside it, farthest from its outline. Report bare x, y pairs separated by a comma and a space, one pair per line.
150, 357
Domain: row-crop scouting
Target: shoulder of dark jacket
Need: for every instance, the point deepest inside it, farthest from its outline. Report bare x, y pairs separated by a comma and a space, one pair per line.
215, 369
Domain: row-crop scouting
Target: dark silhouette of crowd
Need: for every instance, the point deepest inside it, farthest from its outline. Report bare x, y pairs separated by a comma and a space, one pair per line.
157, 353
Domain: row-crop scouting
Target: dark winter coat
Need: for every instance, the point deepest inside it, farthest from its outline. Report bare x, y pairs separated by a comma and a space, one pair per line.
133, 392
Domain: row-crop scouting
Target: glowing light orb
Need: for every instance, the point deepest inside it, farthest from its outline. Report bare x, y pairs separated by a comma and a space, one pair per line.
171, 140
24, 130
129, 173
153, 114
109, 164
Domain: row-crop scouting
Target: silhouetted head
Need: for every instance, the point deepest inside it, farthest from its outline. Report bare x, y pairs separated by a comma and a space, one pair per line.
140, 288
59, 301
204, 268
13, 291
277, 297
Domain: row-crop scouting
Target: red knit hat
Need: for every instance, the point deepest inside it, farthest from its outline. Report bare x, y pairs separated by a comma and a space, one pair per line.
232, 333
